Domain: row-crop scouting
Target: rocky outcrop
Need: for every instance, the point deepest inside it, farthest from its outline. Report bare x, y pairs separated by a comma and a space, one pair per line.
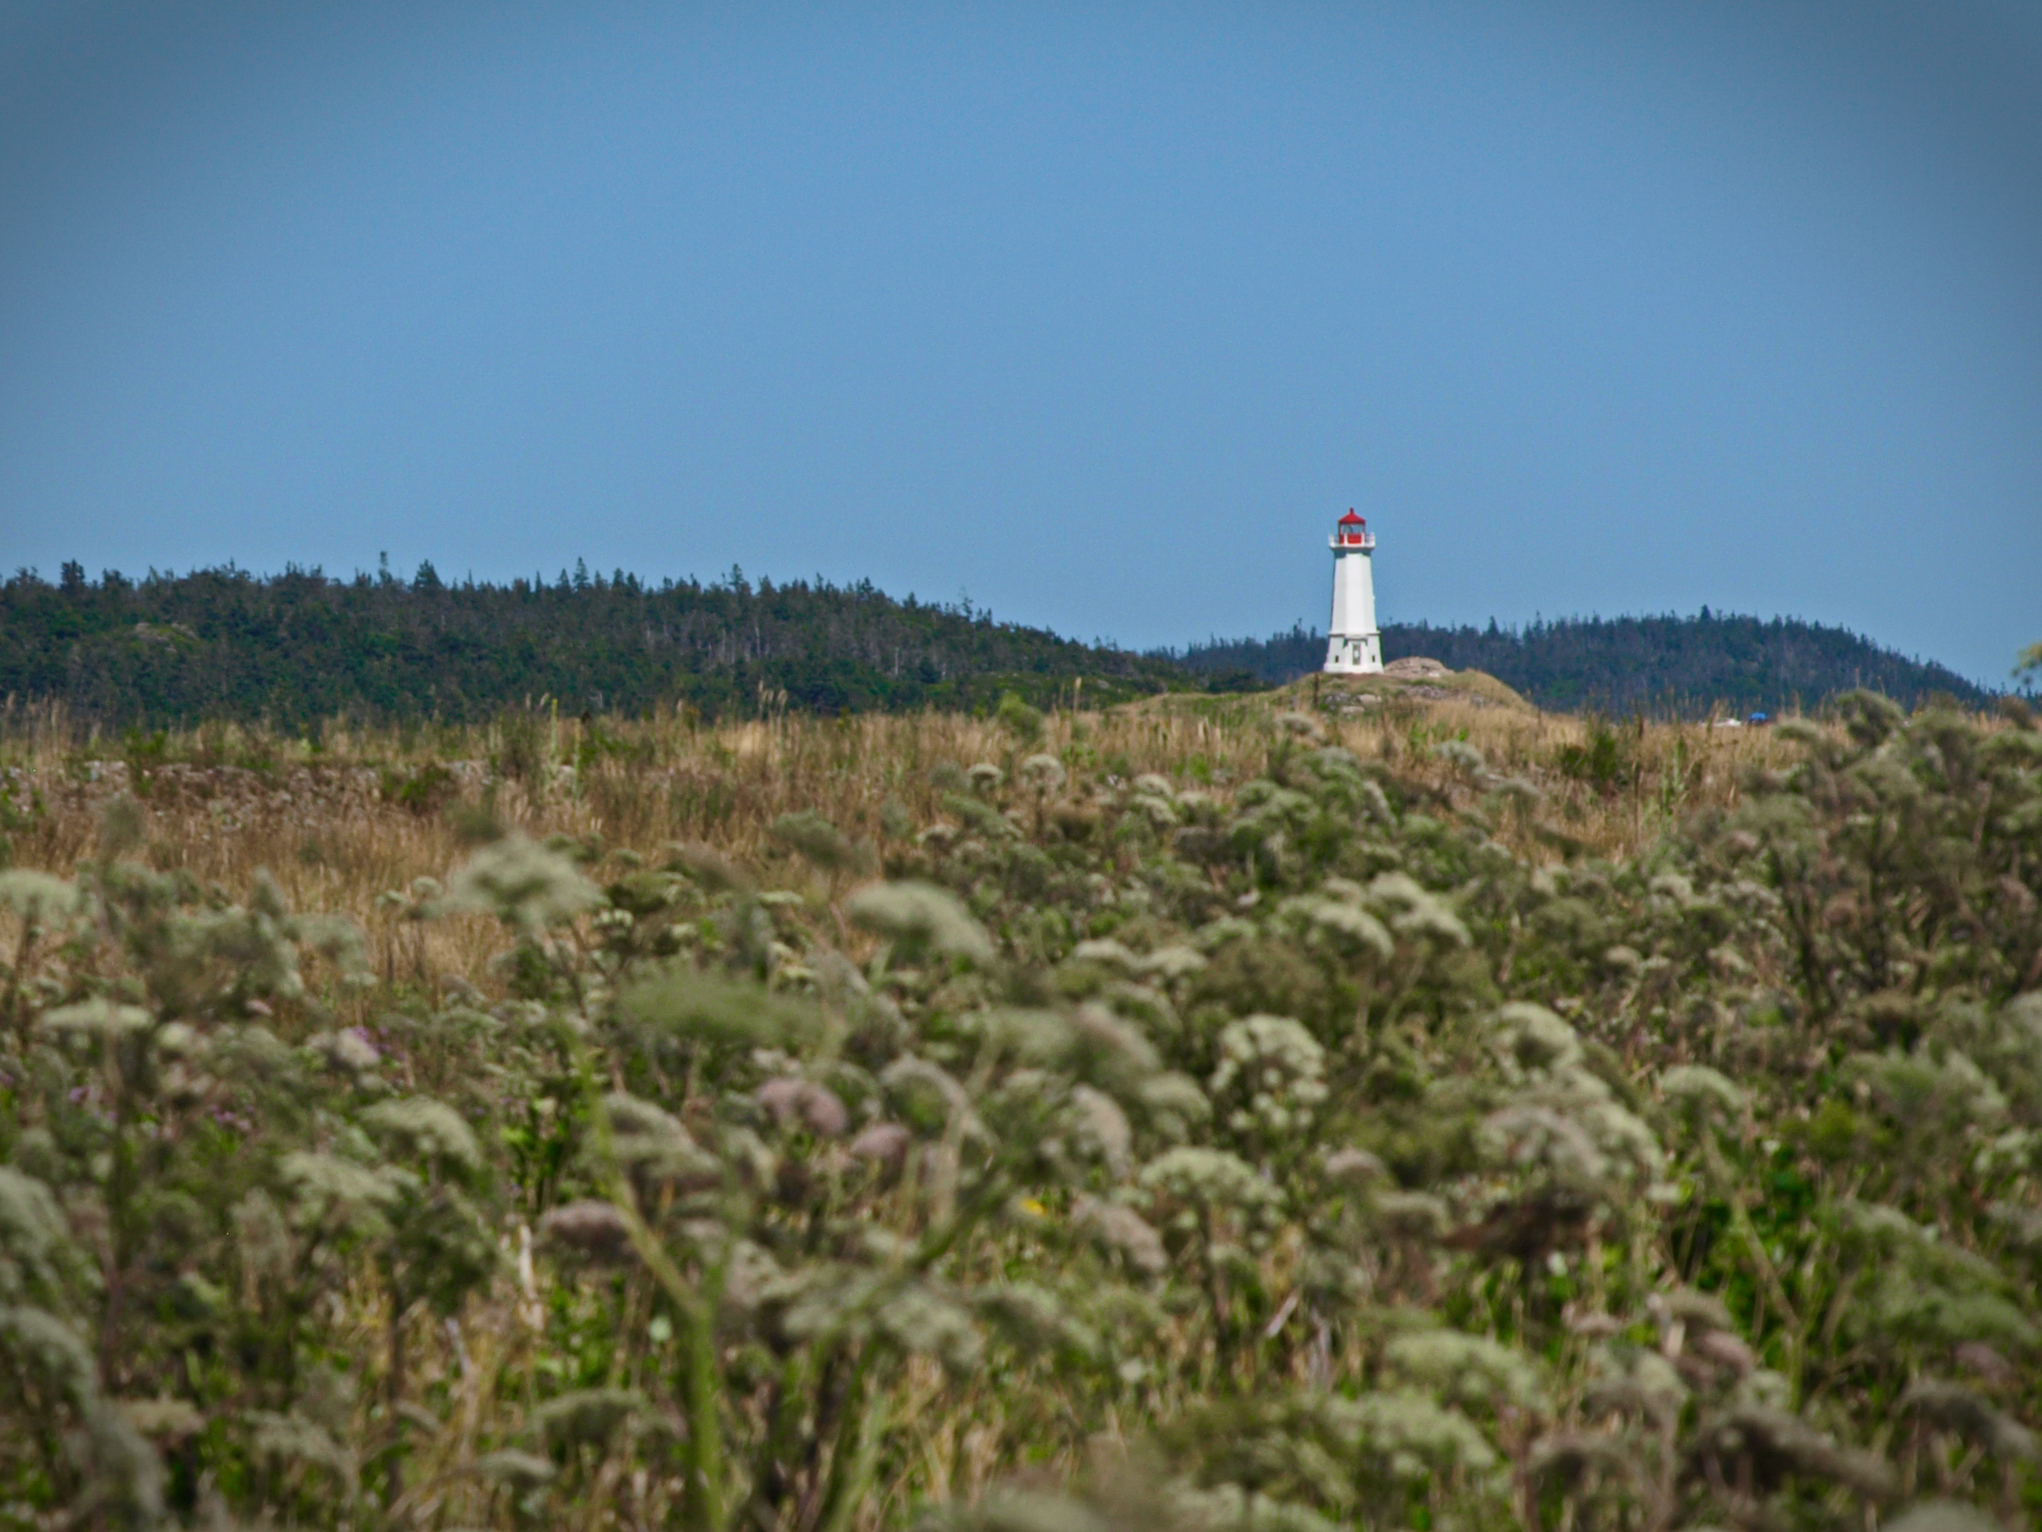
1415, 668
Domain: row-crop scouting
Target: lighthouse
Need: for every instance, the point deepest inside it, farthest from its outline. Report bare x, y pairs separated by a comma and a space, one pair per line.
1353, 646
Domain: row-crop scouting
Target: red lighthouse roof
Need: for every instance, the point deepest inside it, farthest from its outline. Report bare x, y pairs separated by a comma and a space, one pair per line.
1352, 532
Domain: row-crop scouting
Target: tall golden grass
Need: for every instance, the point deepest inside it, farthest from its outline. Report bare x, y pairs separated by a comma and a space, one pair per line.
345, 821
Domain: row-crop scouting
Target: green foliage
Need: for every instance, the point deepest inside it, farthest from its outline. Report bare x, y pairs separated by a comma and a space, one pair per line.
21, 810
293, 650
1663, 666
423, 791
1020, 720
1604, 760
298, 648
822, 843
1298, 1159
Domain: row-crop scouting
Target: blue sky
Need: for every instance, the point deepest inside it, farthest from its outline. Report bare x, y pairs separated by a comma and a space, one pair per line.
1098, 314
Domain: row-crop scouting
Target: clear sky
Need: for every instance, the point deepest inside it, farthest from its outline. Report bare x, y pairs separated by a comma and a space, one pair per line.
1098, 313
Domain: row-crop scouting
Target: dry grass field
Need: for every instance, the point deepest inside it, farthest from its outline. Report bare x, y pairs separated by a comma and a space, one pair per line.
349, 822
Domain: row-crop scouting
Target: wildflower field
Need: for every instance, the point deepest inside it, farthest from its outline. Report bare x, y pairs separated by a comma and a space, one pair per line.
1279, 1111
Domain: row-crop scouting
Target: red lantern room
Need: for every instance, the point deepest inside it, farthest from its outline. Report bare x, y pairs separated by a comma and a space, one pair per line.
1352, 532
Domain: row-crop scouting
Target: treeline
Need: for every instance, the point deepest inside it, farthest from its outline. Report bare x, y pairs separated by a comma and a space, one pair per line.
1665, 666
294, 648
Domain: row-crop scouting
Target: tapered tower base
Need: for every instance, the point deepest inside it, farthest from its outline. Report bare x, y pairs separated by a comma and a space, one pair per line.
1349, 654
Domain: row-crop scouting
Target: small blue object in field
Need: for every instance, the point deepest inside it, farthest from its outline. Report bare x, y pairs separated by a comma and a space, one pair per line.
1759, 720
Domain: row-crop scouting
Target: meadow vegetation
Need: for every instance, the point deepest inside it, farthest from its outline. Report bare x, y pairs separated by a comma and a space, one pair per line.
1269, 1112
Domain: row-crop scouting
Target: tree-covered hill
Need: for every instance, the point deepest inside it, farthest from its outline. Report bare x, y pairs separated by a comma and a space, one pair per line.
301, 646
291, 648
1662, 665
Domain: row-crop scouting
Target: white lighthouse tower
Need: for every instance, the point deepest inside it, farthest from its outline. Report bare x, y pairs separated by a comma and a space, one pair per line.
1353, 646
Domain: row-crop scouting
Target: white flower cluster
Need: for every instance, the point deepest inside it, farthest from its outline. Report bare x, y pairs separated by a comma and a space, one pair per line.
1271, 1076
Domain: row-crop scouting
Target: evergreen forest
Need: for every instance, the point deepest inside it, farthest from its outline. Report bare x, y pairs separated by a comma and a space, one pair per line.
222, 644
295, 649
1666, 667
